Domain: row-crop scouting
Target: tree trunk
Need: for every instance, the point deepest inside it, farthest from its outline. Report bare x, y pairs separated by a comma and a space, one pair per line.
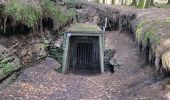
113, 2
169, 2
152, 3
134, 3
141, 4
148, 3
122, 2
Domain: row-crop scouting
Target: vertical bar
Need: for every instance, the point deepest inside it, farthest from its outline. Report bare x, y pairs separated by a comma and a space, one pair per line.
101, 54
87, 54
65, 56
77, 52
94, 60
81, 52
88, 57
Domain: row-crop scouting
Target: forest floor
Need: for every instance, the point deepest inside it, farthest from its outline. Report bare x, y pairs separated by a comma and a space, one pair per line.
131, 81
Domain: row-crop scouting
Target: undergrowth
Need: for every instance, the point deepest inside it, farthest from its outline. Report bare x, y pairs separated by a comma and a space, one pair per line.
147, 31
31, 13
139, 30
22, 13
50, 9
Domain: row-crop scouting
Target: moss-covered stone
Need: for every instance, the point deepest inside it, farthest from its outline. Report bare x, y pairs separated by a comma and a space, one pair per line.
8, 63
56, 53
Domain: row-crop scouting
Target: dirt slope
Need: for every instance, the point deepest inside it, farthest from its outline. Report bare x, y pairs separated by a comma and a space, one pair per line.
131, 81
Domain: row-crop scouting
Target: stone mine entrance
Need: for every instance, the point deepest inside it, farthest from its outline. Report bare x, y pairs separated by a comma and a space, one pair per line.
83, 48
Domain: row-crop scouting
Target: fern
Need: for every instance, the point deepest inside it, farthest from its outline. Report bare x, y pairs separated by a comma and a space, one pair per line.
71, 13
50, 9
139, 30
22, 13
30, 13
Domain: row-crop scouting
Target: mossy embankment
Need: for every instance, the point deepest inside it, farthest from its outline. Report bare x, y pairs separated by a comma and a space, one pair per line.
26, 29
152, 33
150, 29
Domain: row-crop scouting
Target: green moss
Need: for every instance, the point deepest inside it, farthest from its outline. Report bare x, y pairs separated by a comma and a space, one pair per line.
87, 27
7, 68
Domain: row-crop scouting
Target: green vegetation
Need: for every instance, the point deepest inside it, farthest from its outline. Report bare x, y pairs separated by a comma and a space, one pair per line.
72, 3
31, 13
139, 30
71, 13
79, 27
8, 64
7, 68
50, 9
22, 13
147, 31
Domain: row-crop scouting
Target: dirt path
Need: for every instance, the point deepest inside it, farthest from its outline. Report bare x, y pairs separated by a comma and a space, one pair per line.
130, 81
